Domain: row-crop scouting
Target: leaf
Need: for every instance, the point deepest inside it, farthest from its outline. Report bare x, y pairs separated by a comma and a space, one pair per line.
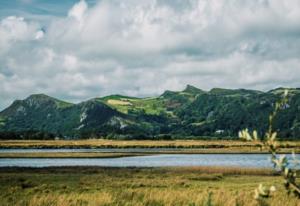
274, 135
255, 136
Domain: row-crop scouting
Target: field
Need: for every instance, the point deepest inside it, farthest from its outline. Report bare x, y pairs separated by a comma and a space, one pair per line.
137, 186
124, 104
96, 186
185, 146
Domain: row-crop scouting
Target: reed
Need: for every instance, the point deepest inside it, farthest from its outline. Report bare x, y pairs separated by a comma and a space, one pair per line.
213, 145
136, 186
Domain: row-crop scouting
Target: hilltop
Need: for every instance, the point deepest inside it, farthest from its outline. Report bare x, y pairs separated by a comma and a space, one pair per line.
189, 113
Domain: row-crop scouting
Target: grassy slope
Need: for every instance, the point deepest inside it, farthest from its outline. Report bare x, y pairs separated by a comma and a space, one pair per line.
124, 104
62, 104
113, 186
155, 105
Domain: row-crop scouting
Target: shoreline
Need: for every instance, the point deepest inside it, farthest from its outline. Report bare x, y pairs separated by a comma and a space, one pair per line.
105, 143
225, 170
123, 154
124, 148
141, 144
69, 155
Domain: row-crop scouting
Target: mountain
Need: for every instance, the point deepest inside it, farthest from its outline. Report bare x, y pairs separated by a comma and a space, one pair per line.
230, 92
43, 113
192, 90
190, 113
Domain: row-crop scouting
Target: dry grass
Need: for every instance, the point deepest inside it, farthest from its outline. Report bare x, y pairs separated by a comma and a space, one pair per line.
137, 186
92, 199
118, 102
156, 198
196, 170
193, 146
139, 143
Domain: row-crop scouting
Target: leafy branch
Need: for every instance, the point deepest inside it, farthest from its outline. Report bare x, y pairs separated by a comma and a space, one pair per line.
281, 162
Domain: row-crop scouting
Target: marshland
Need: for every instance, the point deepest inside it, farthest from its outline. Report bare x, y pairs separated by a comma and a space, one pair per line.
100, 185
149, 102
137, 186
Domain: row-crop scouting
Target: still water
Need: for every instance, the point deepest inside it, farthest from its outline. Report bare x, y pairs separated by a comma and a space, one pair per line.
236, 160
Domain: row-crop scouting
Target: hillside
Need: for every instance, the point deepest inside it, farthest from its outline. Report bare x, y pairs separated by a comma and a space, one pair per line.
191, 113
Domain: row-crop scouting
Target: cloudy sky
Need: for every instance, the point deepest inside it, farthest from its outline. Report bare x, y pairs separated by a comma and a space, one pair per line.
75, 50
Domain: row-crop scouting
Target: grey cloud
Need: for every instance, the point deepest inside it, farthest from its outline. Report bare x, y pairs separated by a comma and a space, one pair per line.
144, 47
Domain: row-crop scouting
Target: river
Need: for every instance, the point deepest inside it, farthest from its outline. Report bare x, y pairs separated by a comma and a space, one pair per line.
159, 160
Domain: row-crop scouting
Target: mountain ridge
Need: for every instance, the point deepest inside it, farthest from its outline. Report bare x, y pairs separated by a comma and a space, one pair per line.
191, 112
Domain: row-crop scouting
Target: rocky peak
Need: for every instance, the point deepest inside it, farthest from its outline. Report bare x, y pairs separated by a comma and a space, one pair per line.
193, 90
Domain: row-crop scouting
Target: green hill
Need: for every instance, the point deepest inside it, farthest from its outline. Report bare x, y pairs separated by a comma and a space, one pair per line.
191, 113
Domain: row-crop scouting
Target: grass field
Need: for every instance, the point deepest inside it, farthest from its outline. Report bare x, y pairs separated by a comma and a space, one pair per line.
124, 104
192, 146
137, 186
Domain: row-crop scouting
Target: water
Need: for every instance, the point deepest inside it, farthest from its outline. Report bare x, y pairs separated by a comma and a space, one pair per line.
236, 160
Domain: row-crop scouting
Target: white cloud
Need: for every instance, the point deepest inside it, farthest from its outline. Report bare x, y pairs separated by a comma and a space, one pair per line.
78, 11
70, 62
144, 47
15, 30
39, 35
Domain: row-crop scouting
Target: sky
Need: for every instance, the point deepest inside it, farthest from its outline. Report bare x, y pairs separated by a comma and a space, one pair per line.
78, 49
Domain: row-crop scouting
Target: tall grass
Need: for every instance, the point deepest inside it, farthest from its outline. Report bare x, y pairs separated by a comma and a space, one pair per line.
101, 143
135, 186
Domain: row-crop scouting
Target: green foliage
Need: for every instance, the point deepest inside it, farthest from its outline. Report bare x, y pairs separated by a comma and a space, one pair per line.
180, 114
27, 135
42, 114
2, 121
